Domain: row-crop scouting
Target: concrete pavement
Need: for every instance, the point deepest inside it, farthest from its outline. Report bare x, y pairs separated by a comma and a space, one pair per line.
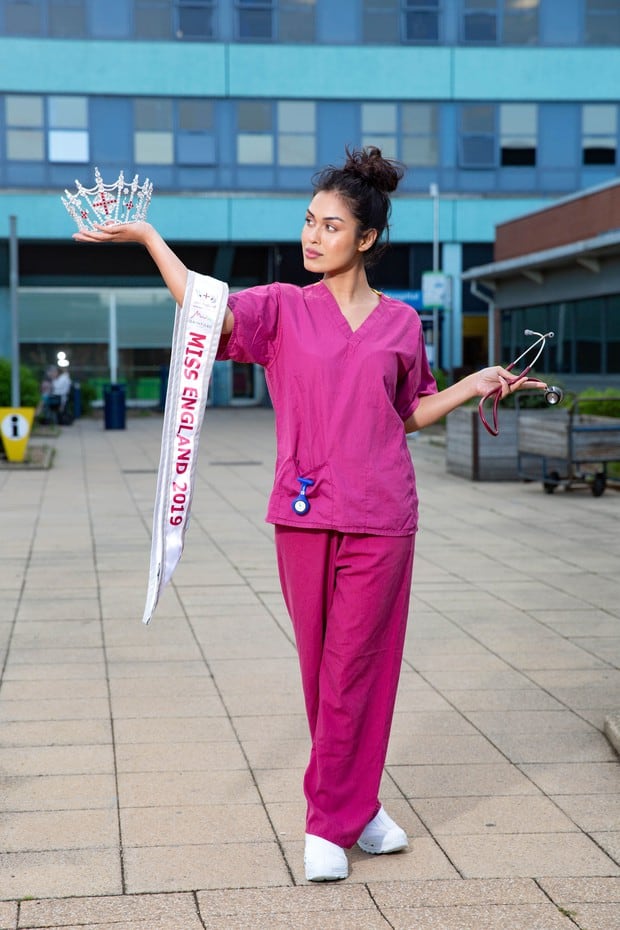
150, 778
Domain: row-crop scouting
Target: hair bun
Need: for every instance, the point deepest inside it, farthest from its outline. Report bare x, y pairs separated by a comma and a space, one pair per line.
369, 165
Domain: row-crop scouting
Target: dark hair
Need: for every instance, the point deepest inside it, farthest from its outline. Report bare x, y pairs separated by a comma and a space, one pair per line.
365, 182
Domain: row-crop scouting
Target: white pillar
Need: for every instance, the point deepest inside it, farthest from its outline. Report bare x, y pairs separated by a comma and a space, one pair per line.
13, 285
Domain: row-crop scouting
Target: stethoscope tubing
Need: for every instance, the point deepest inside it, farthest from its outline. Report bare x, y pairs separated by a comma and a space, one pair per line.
496, 393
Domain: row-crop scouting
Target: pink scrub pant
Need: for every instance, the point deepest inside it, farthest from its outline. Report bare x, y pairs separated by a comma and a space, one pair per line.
348, 598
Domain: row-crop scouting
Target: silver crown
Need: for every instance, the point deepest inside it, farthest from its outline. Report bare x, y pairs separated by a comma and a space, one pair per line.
119, 202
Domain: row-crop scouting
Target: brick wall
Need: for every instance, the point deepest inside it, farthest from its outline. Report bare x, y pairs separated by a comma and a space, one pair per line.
581, 218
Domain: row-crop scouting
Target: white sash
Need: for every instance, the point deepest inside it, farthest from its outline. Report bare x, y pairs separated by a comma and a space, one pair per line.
197, 329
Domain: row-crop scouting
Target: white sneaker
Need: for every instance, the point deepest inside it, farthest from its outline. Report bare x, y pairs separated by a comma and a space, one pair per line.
382, 835
324, 861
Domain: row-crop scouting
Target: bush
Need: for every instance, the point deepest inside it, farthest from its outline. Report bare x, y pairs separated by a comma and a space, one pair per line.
88, 393
28, 385
599, 403
441, 378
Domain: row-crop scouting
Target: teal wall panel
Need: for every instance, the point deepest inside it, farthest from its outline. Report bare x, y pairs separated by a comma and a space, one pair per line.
270, 219
191, 218
39, 216
42, 216
264, 220
311, 72
475, 220
105, 67
340, 72
536, 74
412, 219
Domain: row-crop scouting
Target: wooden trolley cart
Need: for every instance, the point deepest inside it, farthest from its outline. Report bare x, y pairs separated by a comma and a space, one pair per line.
564, 446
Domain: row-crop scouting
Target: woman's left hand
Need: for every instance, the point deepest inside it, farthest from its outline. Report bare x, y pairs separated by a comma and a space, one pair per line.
490, 379
115, 232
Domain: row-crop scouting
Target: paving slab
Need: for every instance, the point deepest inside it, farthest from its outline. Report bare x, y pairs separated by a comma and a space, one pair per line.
177, 911
152, 776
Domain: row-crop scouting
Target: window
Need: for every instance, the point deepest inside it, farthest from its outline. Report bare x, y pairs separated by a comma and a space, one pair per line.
23, 18
67, 18
195, 19
422, 20
602, 22
513, 22
407, 131
599, 130
255, 143
477, 137
153, 135
282, 133
297, 21
420, 134
53, 128
480, 21
152, 19
520, 22
518, 133
67, 129
196, 132
380, 22
380, 127
255, 19
25, 136
296, 133
588, 333
611, 318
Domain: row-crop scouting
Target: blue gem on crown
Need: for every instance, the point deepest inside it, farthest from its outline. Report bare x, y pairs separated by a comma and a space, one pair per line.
119, 202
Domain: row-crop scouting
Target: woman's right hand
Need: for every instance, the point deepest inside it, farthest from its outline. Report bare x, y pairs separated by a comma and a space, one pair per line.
116, 232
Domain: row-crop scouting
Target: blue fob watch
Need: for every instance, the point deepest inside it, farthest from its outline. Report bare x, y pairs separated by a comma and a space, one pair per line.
301, 504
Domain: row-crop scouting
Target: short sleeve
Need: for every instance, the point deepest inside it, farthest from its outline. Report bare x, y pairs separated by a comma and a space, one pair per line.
417, 382
256, 328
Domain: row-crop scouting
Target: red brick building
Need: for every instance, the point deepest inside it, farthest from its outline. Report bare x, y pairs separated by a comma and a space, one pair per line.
558, 269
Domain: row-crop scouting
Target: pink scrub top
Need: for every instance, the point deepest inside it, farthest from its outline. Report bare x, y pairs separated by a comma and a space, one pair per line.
340, 399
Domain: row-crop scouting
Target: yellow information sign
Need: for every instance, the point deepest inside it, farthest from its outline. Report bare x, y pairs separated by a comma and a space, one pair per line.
15, 426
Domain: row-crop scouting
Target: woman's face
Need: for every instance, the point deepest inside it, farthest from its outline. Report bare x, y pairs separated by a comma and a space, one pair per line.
330, 239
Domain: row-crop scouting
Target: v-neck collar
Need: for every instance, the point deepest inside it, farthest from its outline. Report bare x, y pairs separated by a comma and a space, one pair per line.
352, 335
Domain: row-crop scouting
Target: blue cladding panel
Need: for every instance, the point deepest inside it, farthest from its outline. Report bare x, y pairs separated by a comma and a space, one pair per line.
196, 149
110, 20
559, 135
337, 21
111, 131
338, 126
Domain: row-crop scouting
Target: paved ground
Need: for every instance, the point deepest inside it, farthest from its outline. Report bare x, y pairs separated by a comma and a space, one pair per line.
150, 778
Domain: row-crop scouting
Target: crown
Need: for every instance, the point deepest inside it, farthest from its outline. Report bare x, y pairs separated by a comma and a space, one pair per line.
119, 202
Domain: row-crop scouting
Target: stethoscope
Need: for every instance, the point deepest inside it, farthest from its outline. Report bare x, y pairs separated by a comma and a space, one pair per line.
301, 504
553, 395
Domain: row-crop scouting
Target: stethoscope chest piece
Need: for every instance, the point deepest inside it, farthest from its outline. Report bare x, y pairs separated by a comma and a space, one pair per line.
301, 504
554, 395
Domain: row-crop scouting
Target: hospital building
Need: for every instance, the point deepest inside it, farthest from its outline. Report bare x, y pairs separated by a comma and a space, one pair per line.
499, 109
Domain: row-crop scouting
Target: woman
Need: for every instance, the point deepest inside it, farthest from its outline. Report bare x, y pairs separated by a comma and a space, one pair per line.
348, 377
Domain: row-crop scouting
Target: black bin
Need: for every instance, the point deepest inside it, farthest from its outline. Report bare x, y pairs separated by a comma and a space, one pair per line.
114, 406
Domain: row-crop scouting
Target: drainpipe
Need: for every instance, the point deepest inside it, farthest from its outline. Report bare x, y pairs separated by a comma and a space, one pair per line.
489, 300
